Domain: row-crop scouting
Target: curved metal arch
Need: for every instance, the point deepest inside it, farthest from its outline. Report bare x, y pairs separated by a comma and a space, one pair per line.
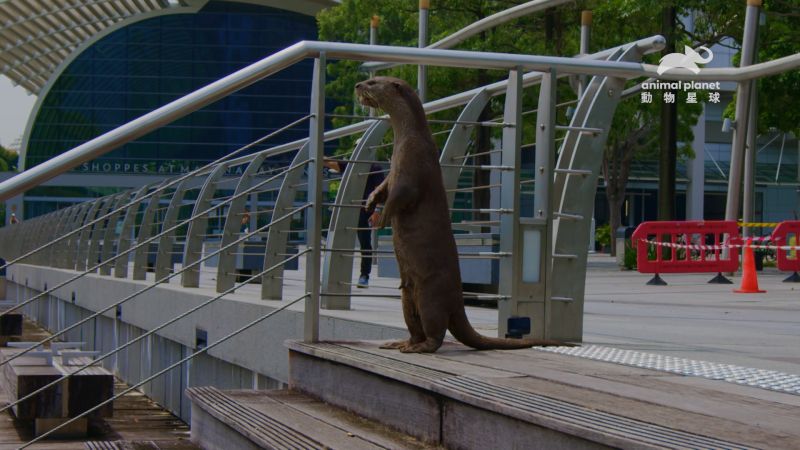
63, 248
457, 142
99, 229
227, 258
111, 230
193, 248
574, 200
55, 221
32, 238
82, 245
163, 265
126, 232
71, 247
278, 234
54, 252
337, 270
145, 231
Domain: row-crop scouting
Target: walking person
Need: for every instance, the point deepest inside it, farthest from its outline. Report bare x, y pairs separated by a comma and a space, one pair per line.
365, 220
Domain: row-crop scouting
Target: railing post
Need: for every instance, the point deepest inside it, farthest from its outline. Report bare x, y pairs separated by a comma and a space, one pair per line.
542, 223
510, 201
742, 111
422, 71
316, 153
586, 32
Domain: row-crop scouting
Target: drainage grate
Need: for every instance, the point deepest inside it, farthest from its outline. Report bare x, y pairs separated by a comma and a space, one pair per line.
585, 418
761, 378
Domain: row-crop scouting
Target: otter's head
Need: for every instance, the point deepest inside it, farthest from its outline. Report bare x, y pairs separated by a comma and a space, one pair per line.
376, 91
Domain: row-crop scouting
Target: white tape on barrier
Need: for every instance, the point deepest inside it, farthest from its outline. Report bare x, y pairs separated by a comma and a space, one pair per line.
724, 246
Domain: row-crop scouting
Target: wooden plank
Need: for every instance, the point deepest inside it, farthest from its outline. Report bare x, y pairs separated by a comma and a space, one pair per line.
24, 375
716, 409
330, 425
136, 419
717, 400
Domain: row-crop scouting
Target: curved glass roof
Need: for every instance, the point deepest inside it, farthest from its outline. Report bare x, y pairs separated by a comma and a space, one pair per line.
36, 36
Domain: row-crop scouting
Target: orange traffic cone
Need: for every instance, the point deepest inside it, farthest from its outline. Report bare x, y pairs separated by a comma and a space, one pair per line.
749, 278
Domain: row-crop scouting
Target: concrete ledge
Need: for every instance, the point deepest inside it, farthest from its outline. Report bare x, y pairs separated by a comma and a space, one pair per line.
493, 399
401, 406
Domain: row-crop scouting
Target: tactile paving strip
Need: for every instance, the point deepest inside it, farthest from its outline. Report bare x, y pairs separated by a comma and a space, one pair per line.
760, 378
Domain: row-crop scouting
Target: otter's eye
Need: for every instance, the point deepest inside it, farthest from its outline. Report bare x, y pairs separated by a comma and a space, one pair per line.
370, 82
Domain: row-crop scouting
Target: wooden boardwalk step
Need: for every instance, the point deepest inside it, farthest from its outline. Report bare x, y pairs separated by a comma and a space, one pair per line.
282, 419
140, 445
524, 396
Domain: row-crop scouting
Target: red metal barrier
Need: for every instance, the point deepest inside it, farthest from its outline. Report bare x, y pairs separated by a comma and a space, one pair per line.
689, 247
788, 233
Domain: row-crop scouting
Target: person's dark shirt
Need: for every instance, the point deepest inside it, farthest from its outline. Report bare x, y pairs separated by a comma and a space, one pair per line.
374, 179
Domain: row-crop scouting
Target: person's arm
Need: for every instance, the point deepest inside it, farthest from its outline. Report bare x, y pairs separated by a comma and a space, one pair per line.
334, 165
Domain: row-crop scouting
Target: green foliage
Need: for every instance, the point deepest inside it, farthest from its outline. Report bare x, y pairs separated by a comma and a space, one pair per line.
778, 94
602, 235
629, 259
553, 33
8, 160
634, 131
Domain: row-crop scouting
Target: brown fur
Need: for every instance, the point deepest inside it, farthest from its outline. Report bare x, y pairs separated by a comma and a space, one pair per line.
416, 204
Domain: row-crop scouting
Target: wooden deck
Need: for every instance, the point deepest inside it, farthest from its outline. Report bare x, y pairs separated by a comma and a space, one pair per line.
521, 395
136, 419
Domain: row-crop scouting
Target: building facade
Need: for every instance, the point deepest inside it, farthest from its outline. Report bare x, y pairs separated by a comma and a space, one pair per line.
144, 59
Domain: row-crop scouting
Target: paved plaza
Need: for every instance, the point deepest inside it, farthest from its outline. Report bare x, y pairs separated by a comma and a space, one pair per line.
688, 318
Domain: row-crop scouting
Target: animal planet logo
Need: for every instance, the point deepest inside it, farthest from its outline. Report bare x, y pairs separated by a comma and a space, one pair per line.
689, 60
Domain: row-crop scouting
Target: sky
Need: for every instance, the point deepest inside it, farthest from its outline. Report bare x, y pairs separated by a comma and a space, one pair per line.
15, 106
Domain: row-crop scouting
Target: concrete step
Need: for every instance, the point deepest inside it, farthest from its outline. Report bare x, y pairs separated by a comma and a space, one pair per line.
282, 419
140, 445
461, 398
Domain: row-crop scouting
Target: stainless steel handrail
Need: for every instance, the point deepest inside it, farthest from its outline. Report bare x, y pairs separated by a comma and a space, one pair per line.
478, 27
150, 239
156, 283
160, 188
360, 52
647, 45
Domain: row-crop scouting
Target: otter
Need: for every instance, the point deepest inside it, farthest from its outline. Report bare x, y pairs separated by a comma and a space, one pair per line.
415, 203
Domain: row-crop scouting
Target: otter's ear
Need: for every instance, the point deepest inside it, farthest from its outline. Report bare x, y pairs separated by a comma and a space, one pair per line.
396, 85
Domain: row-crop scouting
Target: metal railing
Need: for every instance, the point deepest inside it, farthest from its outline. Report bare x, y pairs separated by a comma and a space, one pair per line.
89, 237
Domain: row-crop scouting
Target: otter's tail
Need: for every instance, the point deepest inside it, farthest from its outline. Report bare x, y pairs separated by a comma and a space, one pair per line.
462, 330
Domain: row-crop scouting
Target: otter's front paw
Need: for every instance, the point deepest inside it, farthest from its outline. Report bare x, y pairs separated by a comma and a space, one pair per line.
372, 202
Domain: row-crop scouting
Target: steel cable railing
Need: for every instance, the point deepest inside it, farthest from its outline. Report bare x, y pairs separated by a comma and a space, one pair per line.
155, 283
167, 369
170, 184
148, 333
152, 238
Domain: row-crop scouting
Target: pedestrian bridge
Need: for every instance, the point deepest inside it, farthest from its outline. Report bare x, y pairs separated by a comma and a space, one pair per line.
175, 289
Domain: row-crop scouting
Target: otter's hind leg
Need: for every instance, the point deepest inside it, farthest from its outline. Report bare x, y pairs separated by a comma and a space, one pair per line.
434, 323
411, 316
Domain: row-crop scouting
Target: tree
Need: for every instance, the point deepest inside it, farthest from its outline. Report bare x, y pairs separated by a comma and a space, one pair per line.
8, 159
778, 95
634, 132
398, 26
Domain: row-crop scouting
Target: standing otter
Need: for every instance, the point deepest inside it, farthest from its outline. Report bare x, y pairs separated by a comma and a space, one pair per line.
416, 204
